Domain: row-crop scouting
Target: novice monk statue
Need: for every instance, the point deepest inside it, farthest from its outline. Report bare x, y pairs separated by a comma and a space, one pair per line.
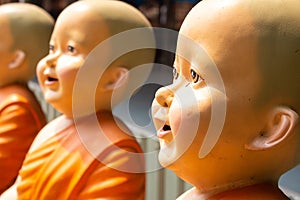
25, 31
60, 163
254, 46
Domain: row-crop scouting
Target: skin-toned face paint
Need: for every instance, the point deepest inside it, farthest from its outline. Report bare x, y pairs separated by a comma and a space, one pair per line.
206, 103
238, 155
67, 52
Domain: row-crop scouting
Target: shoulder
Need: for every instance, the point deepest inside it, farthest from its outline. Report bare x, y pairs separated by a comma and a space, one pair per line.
18, 95
17, 90
17, 103
104, 129
50, 130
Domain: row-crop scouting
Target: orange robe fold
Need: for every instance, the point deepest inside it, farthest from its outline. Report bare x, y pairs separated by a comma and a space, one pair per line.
21, 118
63, 168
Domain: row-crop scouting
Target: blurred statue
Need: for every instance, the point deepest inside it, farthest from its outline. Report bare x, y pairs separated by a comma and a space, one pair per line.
229, 123
86, 153
25, 31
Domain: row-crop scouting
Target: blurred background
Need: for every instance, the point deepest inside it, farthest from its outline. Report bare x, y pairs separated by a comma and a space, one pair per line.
161, 13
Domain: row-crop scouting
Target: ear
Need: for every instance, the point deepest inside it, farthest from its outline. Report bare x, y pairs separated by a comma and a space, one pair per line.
118, 75
280, 125
18, 59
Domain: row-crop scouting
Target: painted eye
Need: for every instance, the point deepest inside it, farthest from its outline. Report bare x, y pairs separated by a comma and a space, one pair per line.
51, 48
71, 49
196, 78
175, 73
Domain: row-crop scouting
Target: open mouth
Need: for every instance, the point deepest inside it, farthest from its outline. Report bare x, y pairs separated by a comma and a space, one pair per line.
164, 132
166, 128
51, 79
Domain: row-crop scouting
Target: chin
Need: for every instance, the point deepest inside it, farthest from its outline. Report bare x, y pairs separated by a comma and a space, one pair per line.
163, 160
167, 155
51, 96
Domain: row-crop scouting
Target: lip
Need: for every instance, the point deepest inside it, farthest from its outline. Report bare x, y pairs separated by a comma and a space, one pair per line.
163, 132
165, 136
50, 81
161, 122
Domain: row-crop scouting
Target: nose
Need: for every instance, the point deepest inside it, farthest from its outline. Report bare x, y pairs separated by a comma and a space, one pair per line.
51, 60
48, 71
164, 96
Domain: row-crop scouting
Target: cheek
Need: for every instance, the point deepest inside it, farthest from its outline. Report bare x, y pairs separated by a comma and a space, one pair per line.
40, 68
189, 119
66, 74
184, 116
175, 114
67, 68
4, 58
184, 121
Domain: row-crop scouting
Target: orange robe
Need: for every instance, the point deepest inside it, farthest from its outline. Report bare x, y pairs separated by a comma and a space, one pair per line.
21, 118
61, 167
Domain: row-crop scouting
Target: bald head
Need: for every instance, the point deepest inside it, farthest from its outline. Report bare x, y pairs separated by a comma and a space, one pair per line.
241, 34
30, 29
256, 51
115, 17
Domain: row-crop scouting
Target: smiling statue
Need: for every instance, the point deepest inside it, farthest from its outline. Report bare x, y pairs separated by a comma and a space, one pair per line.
229, 122
84, 153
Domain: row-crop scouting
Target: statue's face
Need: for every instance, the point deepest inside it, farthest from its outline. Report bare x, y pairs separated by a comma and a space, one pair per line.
76, 33
6, 53
184, 111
